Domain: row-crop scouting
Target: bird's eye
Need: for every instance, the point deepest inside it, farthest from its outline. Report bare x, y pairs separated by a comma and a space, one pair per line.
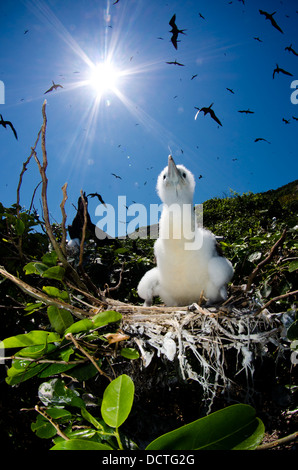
184, 175
164, 176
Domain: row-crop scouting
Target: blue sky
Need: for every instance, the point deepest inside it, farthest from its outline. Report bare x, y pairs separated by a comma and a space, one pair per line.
131, 131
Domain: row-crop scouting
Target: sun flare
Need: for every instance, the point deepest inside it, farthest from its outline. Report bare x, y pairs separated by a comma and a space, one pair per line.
104, 77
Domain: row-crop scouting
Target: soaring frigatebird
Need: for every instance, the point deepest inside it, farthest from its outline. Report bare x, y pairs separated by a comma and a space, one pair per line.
208, 111
278, 70
290, 49
270, 17
175, 63
175, 31
8, 123
53, 87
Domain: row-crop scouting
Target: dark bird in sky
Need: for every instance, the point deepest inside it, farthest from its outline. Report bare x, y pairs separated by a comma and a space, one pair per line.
208, 111
200, 177
115, 2
270, 17
53, 87
290, 49
231, 91
246, 111
286, 121
194, 76
98, 196
259, 139
201, 16
8, 123
294, 117
26, 31
116, 176
175, 31
278, 70
258, 39
175, 63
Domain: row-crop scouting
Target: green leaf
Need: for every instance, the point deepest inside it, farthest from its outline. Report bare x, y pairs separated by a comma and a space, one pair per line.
103, 318
234, 427
54, 272
50, 259
86, 415
33, 337
84, 372
43, 428
80, 444
80, 326
19, 226
54, 369
22, 370
292, 332
35, 267
60, 318
54, 292
36, 350
117, 401
130, 353
293, 266
32, 306
55, 393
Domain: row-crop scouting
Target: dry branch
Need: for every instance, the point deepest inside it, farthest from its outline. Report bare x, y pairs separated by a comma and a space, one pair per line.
265, 261
64, 217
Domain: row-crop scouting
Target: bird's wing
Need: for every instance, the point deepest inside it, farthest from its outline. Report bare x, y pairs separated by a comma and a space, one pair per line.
174, 40
12, 128
172, 21
213, 115
286, 73
273, 22
50, 89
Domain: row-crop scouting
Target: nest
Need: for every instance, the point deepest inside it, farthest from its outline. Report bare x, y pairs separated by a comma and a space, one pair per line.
201, 341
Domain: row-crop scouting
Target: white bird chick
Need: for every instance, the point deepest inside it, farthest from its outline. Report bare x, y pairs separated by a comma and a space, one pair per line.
188, 262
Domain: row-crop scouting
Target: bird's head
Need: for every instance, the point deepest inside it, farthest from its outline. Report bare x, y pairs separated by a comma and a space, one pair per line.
175, 184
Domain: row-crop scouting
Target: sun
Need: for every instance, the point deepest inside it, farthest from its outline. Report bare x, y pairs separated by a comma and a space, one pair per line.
104, 77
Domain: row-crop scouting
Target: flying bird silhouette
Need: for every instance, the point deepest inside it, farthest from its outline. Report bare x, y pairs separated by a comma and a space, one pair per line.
278, 70
194, 76
53, 87
208, 111
8, 123
294, 117
116, 176
258, 139
98, 196
269, 16
246, 111
290, 49
175, 31
286, 121
231, 91
175, 63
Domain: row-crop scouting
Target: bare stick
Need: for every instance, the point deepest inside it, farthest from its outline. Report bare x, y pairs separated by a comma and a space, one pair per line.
266, 260
64, 217
274, 299
83, 229
79, 347
278, 442
46, 416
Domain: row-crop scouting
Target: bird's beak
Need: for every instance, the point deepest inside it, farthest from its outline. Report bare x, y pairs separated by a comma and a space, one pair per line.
173, 176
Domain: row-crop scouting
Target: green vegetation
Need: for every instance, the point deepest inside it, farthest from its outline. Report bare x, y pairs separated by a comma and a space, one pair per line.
72, 352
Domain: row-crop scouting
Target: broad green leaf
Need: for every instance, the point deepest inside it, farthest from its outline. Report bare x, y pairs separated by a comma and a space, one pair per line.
80, 326
50, 259
292, 332
130, 353
19, 226
22, 370
54, 369
28, 339
43, 428
103, 318
57, 413
55, 393
36, 350
84, 372
293, 266
54, 272
88, 416
60, 318
32, 306
54, 292
35, 267
80, 444
117, 401
234, 427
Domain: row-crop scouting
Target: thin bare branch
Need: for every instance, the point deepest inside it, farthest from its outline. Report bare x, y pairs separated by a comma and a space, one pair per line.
46, 416
64, 217
266, 260
279, 442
